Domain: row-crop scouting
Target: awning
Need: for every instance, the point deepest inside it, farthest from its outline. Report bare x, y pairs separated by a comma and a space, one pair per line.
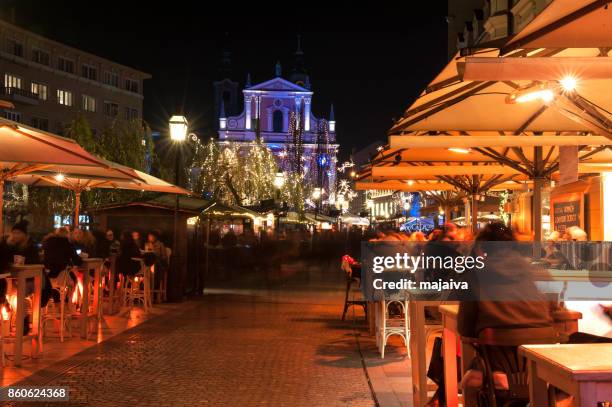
567, 23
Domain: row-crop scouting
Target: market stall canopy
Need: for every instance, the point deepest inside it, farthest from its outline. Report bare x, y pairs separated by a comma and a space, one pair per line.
354, 220
220, 210
567, 23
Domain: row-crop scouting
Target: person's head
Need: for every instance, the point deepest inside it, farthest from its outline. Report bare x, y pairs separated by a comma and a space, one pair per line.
152, 236
136, 235
449, 232
576, 234
127, 236
19, 232
495, 232
110, 235
62, 232
77, 235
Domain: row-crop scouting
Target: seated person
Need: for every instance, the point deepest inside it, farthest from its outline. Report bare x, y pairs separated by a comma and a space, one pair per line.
128, 251
60, 253
18, 243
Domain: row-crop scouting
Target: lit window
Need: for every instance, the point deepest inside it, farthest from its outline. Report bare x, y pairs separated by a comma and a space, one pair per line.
12, 81
64, 97
89, 103
40, 90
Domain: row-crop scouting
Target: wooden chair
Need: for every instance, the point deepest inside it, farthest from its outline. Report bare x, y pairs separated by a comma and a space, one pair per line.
496, 350
351, 278
399, 325
63, 285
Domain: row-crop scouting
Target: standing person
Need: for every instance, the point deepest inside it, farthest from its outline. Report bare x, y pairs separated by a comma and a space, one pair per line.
127, 253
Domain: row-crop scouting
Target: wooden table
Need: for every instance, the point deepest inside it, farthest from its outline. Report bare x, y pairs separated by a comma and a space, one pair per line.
22, 274
418, 349
449, 351
582, 370
94, 264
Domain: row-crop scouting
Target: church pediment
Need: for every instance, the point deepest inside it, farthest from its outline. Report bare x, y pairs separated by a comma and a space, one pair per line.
279, 84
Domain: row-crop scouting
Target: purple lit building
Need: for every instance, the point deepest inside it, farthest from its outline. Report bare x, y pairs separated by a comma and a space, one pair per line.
269, 110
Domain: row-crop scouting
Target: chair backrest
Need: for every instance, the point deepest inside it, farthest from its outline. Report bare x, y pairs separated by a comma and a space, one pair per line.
498, 349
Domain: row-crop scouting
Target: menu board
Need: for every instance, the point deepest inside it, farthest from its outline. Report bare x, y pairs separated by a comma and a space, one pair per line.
566, 214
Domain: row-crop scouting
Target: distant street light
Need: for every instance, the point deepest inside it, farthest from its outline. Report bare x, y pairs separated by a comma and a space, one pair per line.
279, 180
316, 194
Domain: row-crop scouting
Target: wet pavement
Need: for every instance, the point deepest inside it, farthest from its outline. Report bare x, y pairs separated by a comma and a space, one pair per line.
275, 344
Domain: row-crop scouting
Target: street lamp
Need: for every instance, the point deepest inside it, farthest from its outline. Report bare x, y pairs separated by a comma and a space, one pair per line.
178, 133
316, 194
178, 128
279, 182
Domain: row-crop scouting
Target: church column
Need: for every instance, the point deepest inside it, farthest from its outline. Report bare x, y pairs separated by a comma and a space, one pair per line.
306, 114
247, 110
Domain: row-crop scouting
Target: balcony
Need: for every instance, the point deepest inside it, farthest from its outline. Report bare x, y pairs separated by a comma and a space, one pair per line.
19, 95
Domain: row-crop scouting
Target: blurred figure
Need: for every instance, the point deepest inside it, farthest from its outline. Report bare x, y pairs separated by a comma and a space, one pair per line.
137, 239
84, 241
155, 246
113, 244
60, 254
229, 239
128, 252
18, 243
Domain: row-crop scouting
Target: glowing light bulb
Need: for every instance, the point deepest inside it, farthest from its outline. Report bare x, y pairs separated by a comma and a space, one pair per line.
459, 150
568, 83
60, 177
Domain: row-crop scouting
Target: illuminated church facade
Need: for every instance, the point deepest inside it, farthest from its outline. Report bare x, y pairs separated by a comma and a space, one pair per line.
274, 111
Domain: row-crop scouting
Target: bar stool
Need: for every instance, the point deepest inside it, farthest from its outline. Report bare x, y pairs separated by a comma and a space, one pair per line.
63, 316
352, 278
132, 293
390, 326
159, 292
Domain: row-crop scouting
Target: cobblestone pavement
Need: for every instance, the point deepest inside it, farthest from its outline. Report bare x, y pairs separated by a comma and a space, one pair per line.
225, 351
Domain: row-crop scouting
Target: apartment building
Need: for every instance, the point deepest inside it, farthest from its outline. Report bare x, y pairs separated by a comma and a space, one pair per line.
474, 22
49, 83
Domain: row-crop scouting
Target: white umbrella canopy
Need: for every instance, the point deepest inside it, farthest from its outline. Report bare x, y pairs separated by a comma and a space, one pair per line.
24, 150
115, 176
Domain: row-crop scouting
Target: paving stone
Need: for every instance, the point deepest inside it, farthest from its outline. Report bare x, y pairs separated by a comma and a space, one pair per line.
226, 351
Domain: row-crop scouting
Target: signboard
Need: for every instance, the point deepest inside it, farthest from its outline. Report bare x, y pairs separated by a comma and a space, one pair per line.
566, 214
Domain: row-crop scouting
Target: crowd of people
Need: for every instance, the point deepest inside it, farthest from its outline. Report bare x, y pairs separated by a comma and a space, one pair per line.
63, 250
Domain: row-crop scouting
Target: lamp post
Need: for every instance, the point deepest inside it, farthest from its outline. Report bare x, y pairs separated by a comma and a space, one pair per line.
178, 133
279, 182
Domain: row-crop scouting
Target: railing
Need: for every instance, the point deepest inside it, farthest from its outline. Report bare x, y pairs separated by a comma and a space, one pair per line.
13, 91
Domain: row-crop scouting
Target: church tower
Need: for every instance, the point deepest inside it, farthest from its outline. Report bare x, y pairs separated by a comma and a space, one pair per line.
225, 90
299, 75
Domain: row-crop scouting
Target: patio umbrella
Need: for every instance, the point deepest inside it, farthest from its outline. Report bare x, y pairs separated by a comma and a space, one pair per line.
24, 150
115, 176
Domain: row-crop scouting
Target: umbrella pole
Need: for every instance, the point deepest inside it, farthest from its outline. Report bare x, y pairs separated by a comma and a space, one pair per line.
474, 214
77, 207
1, 207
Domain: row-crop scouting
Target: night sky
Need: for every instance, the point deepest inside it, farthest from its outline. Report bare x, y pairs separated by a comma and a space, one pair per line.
369, 60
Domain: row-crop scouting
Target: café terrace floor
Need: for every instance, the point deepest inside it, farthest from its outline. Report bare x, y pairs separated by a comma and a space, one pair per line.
276, 340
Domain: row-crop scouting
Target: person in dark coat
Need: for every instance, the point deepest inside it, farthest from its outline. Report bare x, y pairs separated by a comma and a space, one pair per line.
18, 243
127, 252
60, 253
